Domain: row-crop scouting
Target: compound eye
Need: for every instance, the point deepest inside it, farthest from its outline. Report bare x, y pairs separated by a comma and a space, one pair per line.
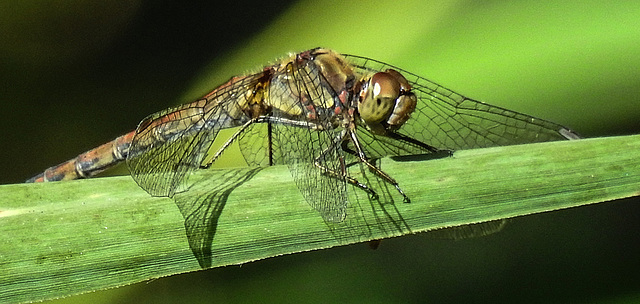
379, 98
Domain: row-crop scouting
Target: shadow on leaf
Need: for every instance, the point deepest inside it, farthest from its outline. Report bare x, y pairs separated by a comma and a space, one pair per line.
370, 218
202, 205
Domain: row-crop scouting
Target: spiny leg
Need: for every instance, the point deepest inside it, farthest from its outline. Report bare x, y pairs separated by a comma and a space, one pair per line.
343, 173
259, 119
359, 152
230, 141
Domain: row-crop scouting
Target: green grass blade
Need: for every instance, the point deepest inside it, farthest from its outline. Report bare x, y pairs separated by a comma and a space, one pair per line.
65, 238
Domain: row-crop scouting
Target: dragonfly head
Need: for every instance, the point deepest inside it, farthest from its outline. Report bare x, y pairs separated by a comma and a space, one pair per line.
386, 102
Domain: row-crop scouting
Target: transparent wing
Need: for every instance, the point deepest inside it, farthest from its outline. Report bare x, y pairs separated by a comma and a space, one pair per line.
311, 150
447, 120
170, 144
259, 147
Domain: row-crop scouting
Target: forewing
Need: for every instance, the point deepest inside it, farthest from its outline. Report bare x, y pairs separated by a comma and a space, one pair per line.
303, 146
447, 120
170, 144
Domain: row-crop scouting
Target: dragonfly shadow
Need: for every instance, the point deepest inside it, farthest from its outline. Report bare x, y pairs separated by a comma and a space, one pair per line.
373, 219
202, 205
423, 157
370, 218
468, 231
367, 218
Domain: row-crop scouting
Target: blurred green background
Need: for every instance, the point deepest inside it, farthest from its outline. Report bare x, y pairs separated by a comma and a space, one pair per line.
76, 74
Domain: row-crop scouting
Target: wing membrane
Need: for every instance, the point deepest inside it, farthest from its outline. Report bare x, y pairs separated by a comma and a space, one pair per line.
447, 120
302, 148
170, 144
258, 146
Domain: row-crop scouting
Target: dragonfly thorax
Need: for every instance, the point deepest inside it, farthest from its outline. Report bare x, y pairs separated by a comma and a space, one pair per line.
385, 101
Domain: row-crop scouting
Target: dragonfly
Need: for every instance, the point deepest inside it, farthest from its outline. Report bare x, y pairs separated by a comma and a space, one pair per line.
318, 112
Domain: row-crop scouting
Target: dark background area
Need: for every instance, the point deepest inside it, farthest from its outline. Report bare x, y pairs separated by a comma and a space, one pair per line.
76, 74
93, 71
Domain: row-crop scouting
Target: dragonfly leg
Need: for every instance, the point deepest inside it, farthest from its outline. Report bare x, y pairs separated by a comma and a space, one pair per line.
359, 152
342, 174
230, 141
259, 119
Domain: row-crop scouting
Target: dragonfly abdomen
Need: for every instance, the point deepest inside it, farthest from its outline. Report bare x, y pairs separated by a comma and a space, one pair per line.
88, 163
